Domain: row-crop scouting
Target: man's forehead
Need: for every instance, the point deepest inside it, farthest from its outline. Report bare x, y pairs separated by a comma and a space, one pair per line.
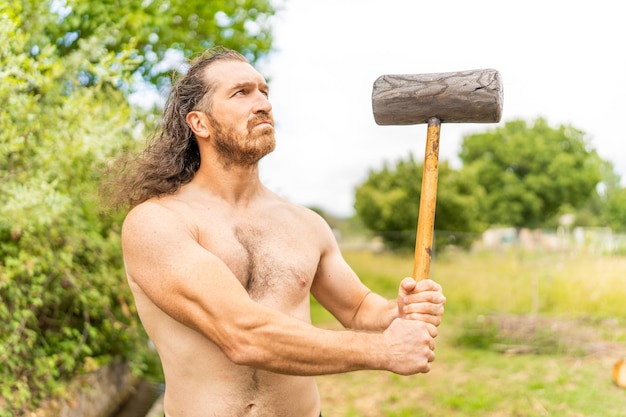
226, 74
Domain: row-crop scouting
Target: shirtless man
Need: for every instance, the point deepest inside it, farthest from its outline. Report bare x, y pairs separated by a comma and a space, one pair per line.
221, 268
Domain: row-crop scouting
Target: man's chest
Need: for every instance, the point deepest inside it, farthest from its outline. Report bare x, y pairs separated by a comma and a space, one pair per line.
273, 261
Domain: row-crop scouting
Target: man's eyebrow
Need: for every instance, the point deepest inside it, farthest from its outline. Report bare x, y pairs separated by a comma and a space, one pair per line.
248, 84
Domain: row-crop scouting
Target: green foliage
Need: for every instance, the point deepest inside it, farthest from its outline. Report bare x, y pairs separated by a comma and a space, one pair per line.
520, 175
65, 71
154, 27
530, 170
610, 203
615, 209
388, 204
61, 279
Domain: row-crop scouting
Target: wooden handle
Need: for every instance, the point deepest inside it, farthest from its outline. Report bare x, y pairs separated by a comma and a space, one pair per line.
428, 203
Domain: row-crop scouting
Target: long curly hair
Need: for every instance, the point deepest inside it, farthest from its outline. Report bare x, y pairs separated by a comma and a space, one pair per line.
171, 157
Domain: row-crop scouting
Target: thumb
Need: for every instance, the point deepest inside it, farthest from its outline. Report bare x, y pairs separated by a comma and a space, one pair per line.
407, 286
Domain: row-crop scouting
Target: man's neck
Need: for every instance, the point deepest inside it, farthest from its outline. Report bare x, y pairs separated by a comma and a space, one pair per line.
235, 184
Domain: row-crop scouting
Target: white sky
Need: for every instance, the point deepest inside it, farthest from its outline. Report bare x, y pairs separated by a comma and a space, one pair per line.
561, 60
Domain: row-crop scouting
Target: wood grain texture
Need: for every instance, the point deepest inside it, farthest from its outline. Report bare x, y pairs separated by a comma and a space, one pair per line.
473, 96
428, 203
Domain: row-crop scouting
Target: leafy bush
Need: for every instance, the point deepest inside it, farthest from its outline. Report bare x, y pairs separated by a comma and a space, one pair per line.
66, 70
62, 285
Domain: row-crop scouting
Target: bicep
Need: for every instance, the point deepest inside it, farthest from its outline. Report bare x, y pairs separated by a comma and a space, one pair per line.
337, 287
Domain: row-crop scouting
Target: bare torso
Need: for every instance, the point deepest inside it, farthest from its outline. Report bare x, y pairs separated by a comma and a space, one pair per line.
274, 251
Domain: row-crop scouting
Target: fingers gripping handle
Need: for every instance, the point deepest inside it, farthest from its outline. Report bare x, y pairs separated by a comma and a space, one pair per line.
428, 203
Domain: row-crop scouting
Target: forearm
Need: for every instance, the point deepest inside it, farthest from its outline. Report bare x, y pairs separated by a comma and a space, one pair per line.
286, 345
290, 346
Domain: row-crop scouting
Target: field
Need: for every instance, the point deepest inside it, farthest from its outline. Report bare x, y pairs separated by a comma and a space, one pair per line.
524, 335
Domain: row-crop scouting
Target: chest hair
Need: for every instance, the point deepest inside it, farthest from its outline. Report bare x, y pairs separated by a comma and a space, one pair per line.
271, 264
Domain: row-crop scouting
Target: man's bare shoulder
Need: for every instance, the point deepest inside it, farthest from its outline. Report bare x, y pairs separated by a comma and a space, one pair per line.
160, 213
150, 209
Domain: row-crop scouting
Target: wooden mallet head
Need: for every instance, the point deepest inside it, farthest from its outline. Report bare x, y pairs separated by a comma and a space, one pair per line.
456, 97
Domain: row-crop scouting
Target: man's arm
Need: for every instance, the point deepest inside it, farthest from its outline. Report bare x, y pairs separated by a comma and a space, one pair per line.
340, 291
196, 288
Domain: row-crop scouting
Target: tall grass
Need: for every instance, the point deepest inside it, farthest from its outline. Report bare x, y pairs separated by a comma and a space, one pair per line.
477, 380
512, 282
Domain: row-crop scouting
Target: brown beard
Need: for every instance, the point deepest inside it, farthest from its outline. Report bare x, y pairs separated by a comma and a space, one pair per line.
243, 150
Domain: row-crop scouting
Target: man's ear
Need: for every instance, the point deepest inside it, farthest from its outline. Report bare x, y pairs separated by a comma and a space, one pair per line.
199, 124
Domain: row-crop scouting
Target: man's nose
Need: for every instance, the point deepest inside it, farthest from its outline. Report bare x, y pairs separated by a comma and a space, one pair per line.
262, 103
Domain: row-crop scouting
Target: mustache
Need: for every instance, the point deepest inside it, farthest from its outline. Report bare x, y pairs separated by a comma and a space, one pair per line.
260, 118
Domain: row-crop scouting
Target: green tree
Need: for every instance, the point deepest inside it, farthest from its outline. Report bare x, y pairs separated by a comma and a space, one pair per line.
615, 212
606, 207
529, 171
150, 28
65, 71
388, 204
611, 200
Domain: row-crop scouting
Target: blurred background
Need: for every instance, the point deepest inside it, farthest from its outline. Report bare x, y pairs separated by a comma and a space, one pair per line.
531, 213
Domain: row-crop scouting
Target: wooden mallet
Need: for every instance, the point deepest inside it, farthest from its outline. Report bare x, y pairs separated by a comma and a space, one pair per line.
457, 97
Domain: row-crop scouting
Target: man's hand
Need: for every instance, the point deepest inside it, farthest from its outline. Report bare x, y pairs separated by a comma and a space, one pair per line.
410, 346
421, 300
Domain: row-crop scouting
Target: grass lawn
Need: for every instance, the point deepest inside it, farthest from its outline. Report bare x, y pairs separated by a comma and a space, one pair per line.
524, 335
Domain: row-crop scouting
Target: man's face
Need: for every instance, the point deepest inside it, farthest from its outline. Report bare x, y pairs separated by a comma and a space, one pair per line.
242, 125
